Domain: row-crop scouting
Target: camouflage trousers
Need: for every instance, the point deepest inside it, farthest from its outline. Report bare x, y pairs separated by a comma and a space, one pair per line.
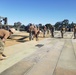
44, 33
1, 46
31, 36
74, 34
52, 34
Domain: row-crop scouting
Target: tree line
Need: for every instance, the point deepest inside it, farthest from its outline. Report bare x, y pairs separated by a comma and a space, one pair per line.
57, 26
65, 23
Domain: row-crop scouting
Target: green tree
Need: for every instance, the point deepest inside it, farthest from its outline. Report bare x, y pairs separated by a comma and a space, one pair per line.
65, 22
58, 25
17, 25
48, 26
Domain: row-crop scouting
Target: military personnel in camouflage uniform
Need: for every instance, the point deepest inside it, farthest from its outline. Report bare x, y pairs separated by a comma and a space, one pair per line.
36, 32
52, 31
74, 30
4, 34
31, 32
62, 31
44, 31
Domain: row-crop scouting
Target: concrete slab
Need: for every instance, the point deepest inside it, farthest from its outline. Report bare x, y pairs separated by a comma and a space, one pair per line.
47, 65
67, 61
49, 50
16, 53
55, 57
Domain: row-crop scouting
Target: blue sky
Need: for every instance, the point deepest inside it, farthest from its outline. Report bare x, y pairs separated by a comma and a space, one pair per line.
38, 11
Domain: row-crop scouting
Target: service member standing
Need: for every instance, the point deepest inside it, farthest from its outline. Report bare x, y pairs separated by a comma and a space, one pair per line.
61, 32
31, 32
52, 31
74, 30
44, 31
36, 32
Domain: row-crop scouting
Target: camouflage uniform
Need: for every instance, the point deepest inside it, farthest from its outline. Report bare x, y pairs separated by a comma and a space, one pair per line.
1, 46
4, 34
44, 31
31, 32
62, 32
52, 31
75, 32
36, 33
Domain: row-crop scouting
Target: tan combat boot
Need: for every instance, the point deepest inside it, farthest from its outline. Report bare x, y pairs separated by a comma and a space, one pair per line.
1, 57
